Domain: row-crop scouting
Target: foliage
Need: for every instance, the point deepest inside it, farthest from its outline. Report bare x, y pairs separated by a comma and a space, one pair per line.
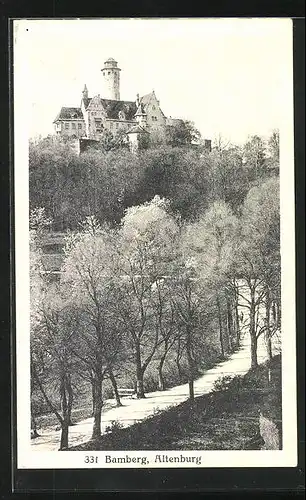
104, 182
114, 426
182, 133
222, 383
166, 244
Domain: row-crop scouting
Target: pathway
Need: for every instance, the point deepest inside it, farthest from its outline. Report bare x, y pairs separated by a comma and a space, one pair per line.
135, 410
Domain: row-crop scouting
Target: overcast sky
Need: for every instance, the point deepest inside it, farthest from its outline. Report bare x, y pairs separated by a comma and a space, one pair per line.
229, 76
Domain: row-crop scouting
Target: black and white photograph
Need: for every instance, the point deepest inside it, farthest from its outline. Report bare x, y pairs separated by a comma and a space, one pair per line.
155, 243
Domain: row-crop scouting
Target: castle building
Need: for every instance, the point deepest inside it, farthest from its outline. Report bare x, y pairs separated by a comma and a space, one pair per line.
107, 112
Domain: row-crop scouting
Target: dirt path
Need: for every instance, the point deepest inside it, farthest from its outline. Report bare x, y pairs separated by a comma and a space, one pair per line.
136, 410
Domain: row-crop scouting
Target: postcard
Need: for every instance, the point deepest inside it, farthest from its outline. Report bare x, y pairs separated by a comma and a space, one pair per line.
154, 243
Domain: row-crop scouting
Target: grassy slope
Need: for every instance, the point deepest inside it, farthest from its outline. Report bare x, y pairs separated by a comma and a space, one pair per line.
226, 419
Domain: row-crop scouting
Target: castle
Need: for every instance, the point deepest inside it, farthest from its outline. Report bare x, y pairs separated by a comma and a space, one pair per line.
96, 114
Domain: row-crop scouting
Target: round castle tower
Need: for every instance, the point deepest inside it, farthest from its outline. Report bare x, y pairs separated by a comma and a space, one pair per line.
111, 79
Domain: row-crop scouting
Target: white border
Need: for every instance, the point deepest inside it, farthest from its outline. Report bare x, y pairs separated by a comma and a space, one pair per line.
26, 457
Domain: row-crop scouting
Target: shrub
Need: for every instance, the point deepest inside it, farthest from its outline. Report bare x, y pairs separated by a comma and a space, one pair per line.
222, 383
150, 383
114, 426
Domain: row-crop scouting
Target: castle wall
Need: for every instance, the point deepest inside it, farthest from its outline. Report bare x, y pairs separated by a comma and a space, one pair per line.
70, 128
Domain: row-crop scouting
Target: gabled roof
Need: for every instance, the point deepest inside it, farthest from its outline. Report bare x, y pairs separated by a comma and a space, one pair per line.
144, 100
140, 110
136, 129
69, 114
113, 108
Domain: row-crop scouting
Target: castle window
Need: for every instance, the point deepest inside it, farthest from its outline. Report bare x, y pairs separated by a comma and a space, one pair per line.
108, 72
80, 125
153, 107
66, 125
73, 125
117, 125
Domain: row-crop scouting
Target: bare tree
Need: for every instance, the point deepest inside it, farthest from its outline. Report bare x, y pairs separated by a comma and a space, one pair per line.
88, 280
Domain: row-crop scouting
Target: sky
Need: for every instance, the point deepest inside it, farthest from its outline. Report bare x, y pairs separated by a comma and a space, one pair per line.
228, 76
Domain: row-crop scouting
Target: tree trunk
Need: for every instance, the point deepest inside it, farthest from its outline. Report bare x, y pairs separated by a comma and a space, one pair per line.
161, 382
237, 326
115, 387
273, 308
254, 362
191, 390
98, 403
177, 360
70, 399
65, 420
64, 435
236, 315
220, 328
139, 386
190, 367
268, 326
92, 394
34, 433
139, 376
229, 324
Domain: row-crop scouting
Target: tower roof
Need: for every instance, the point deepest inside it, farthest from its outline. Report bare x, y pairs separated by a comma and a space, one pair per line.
136, 130
111, 63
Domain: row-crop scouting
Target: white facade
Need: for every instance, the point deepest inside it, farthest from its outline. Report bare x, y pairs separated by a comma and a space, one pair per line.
111, 80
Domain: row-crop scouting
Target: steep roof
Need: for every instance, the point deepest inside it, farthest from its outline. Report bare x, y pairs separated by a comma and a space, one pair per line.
113, 108
140, 110
137, 129
69, 114
145, 99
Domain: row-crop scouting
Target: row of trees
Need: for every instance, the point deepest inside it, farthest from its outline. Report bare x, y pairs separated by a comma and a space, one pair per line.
154, 289
105, 182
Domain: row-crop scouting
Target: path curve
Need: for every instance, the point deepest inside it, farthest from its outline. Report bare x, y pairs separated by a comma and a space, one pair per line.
135, 410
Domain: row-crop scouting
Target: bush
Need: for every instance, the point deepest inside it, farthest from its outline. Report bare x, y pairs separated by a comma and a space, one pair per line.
222, 383
114, 426
108, 392
150, 383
